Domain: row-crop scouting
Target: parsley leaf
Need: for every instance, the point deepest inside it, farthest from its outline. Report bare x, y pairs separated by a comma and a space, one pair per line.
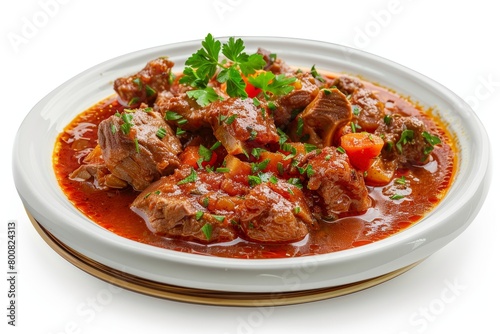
207, 230
204, 96
235, 84
431, 140
406, 137
316, 75
206, 59
233, 50
253, 63
190, 178
272, 84
396, 197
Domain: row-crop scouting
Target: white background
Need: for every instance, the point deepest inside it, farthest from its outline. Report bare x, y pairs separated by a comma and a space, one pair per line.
453, 42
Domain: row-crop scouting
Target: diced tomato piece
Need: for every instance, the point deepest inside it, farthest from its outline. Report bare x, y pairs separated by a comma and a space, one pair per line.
362, 148
191, 156
251, 90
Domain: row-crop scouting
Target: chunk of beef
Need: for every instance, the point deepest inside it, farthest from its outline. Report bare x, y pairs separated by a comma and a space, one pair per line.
340, 187
182, 111
275, 213
94, 169
369, 109
240, 125
138, 147
176, 208
323, 117
274, 64
144, 86
404, 140
289, 105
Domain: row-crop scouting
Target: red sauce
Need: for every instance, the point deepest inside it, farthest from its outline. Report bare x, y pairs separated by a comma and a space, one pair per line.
110, 209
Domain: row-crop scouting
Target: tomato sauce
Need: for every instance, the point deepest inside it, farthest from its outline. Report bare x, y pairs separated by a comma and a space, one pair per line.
426, 186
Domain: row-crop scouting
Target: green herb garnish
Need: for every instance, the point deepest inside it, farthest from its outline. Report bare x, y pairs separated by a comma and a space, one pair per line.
316, 75
207, 230
204, 63
192, 177
406, 137
161, 133
276, 85
396, 197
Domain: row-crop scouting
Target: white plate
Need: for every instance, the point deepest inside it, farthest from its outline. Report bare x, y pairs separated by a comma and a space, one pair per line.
42, 197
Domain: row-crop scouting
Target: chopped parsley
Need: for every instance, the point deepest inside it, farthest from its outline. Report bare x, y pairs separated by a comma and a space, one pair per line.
127, 123
215, 146
205, 153
161, 133
406, 137
230, 119
355, 110
138, 82
300, 126
192, 177
316, 75
310, 147
260, 166
396, 197
133, 101
254, 180
353, 127
136, 143
150, 91
296, 182
256, 152
401, 180
219, 218
431, 140
172, 116
199, 215
207, 230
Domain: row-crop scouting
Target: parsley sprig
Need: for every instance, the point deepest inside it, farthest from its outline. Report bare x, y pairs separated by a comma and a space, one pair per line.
204, 64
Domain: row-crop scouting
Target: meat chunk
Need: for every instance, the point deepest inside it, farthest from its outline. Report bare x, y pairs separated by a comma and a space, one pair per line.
369, 110
179, 206
404, 140
181, 111
340, 187
289, 105
319, 122
275, 213
144, 86
94, 169
274, 64
240, 125
138, 146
